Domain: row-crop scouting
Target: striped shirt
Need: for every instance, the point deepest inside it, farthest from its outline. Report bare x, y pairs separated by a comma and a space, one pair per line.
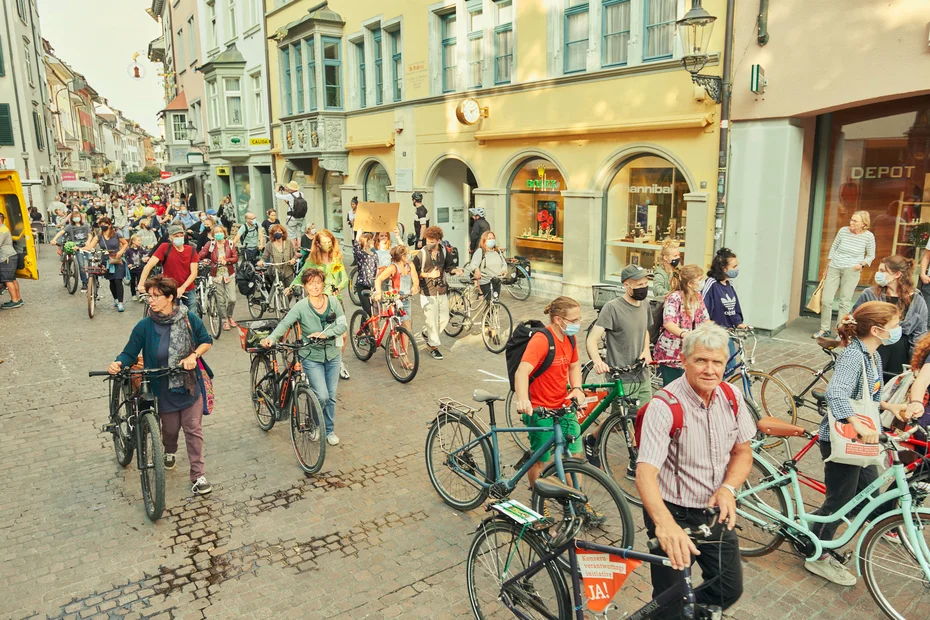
849, 250
846, 383
693, 466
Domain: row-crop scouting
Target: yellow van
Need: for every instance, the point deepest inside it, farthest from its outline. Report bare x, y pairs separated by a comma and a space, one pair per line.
13, 207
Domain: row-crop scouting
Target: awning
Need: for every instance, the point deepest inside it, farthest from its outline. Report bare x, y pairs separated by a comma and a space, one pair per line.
112, 183
80, 186
176, 178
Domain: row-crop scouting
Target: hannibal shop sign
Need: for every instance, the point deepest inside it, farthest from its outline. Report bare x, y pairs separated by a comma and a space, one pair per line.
880, 172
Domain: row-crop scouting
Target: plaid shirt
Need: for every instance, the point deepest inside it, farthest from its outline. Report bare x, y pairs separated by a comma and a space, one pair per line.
846, 383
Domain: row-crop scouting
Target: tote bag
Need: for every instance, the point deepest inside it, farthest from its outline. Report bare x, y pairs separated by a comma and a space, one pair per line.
896, 392
845, 446
816, 302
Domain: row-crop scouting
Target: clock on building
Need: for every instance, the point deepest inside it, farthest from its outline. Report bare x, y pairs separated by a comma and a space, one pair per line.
468, 111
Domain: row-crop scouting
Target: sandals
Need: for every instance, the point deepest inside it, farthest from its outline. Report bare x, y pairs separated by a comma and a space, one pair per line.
820, 334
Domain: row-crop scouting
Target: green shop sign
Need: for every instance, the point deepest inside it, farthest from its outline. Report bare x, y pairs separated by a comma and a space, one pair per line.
542, 184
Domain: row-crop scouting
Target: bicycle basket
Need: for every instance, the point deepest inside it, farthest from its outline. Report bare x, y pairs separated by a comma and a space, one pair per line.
251, 333
605, 292
71, 248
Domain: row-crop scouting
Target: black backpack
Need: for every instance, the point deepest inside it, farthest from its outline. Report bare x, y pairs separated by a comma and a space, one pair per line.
300, 207
656, 318
452, 250
516, 346
245, 278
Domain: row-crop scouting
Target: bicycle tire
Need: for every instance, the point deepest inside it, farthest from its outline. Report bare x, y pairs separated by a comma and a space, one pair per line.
353, 294
495, 338
515, 420
256, 304
797, 377
75, 277
122, 437
465, 432
607, 497
395, 342
358, 340
777, 401
457, 314
153, 484
91, 296
263, 392
522, 288
280, 304
904, 556
212, 313
617, 458
545, 594
757, 540
308, 430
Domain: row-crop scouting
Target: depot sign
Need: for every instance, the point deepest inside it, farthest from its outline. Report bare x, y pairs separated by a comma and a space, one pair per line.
880, 172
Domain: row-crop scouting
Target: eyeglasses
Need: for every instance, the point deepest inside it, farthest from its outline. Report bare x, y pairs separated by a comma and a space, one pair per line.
575, 322
153, 296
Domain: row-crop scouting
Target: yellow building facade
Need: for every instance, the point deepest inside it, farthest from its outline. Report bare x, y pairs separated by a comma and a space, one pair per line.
572, 124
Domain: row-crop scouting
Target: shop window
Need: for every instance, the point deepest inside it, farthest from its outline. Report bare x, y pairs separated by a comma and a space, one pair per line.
242, 186
332, 201
644, 207
537, 217
376, 184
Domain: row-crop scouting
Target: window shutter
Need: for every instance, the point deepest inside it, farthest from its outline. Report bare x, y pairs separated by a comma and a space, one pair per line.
2, 66
38, 126
6, 125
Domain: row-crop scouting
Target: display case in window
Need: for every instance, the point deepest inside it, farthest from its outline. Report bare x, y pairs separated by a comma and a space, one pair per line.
645, 208
332, 201
537, 215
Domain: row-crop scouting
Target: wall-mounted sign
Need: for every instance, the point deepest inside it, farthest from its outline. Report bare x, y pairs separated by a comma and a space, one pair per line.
236, 140
404, 180
259, 141
881, 172
195, 159
222, 171
165, 174
650, 189
542, 182
65, 176
757, 81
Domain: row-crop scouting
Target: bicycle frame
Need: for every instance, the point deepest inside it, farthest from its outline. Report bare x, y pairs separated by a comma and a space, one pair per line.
382, 323
135, 400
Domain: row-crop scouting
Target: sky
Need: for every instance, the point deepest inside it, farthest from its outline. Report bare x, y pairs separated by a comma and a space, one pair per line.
97, 38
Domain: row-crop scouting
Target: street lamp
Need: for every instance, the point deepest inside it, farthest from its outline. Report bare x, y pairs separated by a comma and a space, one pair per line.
695, 29
191, 130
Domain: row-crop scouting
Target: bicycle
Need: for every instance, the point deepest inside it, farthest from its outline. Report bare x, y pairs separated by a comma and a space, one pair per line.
133, 423
513, 571
519, 280
269, 293
461, 449
385, 329
70, 271
278, 392
353, 294
465, 307
205, 290
95, 269
772, 514
809, 386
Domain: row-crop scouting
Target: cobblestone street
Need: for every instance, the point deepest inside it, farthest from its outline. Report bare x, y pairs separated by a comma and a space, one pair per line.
368, 537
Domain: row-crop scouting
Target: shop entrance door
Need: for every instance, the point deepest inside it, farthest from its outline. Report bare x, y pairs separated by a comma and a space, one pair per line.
452, 197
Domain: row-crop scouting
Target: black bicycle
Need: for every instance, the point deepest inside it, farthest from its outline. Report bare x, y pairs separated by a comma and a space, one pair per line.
134, 426
513, 570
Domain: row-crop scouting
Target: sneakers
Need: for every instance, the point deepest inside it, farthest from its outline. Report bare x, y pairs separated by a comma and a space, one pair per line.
590, 451
169, 461
119, 307
343, 371
331, 439
201, 487
594, 516
831, 570
232, 323
820, 334
892, 537
84, 288
12, 304
225, 326
436, 354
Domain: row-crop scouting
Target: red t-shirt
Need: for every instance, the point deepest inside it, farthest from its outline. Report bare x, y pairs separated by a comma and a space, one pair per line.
176, 263
549, 389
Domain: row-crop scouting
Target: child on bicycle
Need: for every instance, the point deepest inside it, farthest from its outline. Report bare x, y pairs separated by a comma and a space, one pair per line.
402, 275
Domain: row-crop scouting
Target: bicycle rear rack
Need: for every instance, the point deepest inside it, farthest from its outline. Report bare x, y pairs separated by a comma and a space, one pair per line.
447, 405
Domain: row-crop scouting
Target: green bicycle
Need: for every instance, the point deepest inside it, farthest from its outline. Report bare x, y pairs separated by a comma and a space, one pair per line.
893, 550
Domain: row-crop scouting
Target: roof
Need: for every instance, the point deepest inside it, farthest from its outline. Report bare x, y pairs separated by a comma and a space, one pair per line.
178, 103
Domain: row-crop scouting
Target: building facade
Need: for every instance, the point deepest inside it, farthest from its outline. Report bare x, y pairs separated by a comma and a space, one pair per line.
825, 139
572, 124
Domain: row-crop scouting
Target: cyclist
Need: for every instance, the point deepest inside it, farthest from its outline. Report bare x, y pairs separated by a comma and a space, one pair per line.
479, 226
252, 238
173, 336
78, 232
179, 263
115, 246
487, 262
279, 250
681, 473
223, 256
669, 259
320, 316
433, 262
684, 310
403, 277
367, 262
421, 220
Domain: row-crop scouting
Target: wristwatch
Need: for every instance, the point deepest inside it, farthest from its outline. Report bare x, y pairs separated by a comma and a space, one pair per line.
730, 488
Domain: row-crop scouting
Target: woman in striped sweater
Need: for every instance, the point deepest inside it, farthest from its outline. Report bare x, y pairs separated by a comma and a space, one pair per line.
852, 249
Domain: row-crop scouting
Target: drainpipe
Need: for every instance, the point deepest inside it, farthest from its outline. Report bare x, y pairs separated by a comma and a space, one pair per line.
763, 23
723, 153
19, 110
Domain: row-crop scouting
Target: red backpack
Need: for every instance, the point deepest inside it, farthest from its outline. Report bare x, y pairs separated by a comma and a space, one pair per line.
678, 412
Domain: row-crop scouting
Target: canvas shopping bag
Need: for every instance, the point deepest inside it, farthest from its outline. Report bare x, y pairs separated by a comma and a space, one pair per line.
815, 304
845, 446
896, 392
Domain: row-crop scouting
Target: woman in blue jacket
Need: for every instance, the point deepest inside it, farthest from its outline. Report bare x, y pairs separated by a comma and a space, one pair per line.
173, 336
720, 297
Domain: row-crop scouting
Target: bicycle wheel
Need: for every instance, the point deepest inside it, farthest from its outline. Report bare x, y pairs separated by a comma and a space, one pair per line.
500, 550
362, 340
256, 305
212, 314
617, 457
65, 272
353, 294
403, 355
457, 314
447, 434
608, 520
280, 304
153, 466
802, 381
515, 420
768, 396
897, 583
308, 432
756, 539
120, 409
263, 392
91, 296
522, 288
496, 327
75, 276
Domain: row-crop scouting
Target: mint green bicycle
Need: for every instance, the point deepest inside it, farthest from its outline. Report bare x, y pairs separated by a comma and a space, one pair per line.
893, 550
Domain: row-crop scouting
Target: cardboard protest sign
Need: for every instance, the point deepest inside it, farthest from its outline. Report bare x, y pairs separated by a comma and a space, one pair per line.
377, 216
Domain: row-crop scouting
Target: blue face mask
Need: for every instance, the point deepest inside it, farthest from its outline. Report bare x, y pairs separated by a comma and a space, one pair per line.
894, 335
571, 329
491, 243
732, 273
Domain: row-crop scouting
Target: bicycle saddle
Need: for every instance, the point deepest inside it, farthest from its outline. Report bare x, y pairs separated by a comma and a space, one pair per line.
779, 428
482, 396
820, 397
553, 488
827, 343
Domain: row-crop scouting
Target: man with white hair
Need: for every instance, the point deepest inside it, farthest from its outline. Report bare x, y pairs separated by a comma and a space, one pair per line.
694, 453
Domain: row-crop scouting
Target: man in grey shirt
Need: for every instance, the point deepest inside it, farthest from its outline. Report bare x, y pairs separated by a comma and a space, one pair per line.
8, 263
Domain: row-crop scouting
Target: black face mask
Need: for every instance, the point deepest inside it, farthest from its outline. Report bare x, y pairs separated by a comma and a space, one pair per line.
640, 293
675, 262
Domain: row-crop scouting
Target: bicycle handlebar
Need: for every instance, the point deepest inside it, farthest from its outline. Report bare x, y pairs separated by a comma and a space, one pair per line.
545, 412
136, 372
625, 370
703, 532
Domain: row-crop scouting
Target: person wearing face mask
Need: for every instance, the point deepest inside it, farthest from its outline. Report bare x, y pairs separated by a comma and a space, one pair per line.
857, 375
79, 232
718, 293
487, 263
280, 250
110, 241
894, 284
206, 227
223, 256
683, 311
669, 259
179, 262
251, 236
432, 263
479, 226
184, 217
119, 215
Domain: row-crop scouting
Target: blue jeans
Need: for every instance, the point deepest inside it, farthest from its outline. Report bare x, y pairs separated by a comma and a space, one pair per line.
732, 362
324, 380
190, 300
82, 263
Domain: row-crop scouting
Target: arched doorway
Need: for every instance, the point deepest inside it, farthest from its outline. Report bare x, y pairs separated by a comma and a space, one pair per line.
644, 208
375, 184
453, 196
537, 214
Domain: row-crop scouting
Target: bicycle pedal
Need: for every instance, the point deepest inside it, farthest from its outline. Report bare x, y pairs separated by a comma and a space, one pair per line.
108, 428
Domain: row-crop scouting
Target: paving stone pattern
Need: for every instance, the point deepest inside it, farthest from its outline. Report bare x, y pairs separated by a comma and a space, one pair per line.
366, 538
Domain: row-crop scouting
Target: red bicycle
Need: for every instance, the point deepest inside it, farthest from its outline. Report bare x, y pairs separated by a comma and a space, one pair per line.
384, 329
